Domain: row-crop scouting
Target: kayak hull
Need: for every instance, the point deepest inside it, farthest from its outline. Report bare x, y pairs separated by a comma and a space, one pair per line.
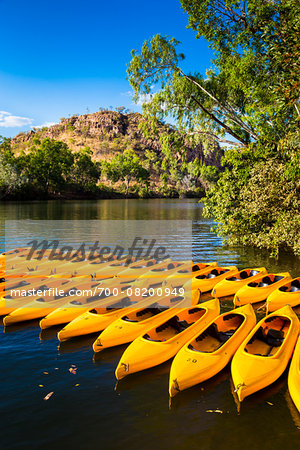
88, 323
227, 288
143, 354
253, 372
294, 377
191, 367
122, 331
61, 315
255, 294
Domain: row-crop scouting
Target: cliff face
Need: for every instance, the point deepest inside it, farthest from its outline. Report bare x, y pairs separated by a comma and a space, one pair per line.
109, 132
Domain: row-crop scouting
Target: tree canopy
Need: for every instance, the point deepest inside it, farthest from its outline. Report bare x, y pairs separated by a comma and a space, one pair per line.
252, 91
249, 99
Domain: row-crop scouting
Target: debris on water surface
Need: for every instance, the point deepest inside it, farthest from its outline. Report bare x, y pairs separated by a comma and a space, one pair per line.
73, 371
46, 373
48, 395
269, 403
214, 411
77, 384
41, 385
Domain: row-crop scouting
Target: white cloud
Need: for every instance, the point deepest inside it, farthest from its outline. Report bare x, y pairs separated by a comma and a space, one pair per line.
8, 120
144, 98
127, 94
45, 124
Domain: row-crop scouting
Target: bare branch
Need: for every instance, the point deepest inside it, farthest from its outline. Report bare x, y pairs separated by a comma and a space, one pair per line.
222, 124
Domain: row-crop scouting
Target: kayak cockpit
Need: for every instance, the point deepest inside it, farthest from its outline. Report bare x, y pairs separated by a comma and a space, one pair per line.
222, 329
294, 286
177, 324
212, 274
151, 310
269, 336
243, 275
266, 281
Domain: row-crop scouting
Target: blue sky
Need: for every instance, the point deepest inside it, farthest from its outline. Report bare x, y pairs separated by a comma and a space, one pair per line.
64, 57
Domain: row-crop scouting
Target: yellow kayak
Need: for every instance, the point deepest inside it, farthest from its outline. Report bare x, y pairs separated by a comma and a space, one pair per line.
136, 322
97, 319
258, 290
18, 292
57, 292
265, 353
163, 341
183, 277
232, 283
207, 280
85, 302
287, 294
114, 267
210, 351
294, 377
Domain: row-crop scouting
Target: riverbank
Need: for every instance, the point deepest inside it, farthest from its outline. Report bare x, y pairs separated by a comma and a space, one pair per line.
101, 193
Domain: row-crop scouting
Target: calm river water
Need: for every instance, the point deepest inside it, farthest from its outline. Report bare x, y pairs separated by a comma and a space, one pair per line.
87, 410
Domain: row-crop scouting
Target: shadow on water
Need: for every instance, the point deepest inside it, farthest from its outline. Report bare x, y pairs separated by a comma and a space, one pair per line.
75, 344
198, 391
265, 395
50, 333
144, 377
109, 354
293, 410
21, 326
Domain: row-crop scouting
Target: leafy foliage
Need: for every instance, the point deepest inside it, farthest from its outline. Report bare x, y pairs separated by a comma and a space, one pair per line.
125, 167
250, 96
257, 198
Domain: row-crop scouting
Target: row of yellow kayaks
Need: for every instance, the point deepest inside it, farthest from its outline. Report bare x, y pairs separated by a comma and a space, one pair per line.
204, 342
245, 286
161, 327
140, 275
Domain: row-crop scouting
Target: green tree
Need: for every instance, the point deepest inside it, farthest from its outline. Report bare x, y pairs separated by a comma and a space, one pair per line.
48, 165
249, 99
125, 167
10, 179
84, 172
251, 94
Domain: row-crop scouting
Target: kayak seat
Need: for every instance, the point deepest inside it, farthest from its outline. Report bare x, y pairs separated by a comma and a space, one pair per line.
225, 335
233, 279
229, 316
267, 280
244, 275
294, 289
193, 310
176, 299
145, 311
127, 319
263, 284
146, 336
253, 272
211, 275
274, 338
277, 278
284, 289
295, 286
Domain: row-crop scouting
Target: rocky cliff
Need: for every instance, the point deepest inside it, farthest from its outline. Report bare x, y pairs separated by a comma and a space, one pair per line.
109, 132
